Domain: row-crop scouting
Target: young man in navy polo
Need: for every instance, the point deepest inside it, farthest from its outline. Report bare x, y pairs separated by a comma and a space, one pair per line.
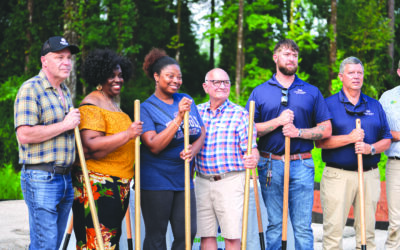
288, 106
339, 184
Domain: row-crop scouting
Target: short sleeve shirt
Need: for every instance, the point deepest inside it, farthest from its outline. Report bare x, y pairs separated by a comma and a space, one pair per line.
226, 138
307, 104
165, 171
119, 162
344, 113
390, 101
38, 103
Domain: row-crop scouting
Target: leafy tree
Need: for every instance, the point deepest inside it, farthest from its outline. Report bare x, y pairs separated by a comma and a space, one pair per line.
156, 28
366, 37
257, 32
239, 51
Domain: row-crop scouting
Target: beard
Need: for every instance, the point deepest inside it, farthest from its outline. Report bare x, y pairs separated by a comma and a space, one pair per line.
287, 72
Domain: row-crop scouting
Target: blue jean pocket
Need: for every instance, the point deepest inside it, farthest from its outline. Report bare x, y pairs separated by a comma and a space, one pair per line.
39, 176
308, 163
262, 163
263, 169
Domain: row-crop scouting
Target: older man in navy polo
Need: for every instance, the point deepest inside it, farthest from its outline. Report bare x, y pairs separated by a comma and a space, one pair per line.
339, 184
288, 106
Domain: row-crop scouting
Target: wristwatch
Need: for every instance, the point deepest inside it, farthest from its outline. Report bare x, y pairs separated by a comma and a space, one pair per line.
373, 150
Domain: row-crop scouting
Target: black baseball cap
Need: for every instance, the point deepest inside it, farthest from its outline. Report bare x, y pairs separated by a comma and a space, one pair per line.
57, 43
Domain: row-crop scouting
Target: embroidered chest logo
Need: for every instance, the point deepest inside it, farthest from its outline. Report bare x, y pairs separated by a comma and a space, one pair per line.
393, 102
299, 92
368, 112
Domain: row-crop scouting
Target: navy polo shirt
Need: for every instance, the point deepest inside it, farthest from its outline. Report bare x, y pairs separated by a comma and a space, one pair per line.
304, 99
373, 121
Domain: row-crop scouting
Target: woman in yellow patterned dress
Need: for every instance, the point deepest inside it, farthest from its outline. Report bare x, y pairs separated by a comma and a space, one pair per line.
108, 141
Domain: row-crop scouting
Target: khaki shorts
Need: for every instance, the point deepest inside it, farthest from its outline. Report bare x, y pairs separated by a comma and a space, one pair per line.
220, 202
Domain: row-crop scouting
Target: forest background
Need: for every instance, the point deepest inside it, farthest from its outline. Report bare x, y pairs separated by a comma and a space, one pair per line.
236, 35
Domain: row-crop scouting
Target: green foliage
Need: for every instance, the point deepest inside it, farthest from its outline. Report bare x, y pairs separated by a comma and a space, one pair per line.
174, 44
15, 47
382, 166
156, 27
336, 83
10, 183
303, 37
319, 165
8, 142
133, 27
9, 89
366, 37
257, 40
255, 76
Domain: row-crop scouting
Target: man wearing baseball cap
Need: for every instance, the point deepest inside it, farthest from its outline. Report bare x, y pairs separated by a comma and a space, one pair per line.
44, 128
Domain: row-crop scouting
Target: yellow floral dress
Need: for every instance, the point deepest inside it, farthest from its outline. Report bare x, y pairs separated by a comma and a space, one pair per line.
110, 181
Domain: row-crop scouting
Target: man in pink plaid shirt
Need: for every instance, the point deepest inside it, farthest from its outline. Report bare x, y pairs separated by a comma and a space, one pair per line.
221, 164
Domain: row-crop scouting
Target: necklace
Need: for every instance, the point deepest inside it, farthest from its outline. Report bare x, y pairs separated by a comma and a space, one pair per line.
112, 103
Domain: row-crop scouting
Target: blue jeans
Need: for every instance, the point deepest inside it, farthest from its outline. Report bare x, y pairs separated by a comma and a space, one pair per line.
301, 197
49, 199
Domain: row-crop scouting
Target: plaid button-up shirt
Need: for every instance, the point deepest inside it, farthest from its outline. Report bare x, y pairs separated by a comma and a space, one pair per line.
226, 138
38, 103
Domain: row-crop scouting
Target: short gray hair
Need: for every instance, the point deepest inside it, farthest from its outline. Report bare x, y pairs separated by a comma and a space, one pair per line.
350, 60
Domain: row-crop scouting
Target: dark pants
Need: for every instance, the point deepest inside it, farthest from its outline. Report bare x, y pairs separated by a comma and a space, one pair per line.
111, 197
159, 207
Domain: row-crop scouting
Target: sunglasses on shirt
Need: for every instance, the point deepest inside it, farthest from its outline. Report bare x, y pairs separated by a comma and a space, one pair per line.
284, 98
359, 113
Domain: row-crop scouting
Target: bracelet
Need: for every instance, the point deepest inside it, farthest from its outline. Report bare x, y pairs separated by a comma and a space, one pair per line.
177, 125
300, 131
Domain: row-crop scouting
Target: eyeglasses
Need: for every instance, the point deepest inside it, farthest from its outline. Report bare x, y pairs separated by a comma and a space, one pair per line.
284, 98
359, 113
218, 83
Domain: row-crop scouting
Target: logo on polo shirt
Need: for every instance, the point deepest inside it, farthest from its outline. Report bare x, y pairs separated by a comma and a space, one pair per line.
368, 112
63, 41
299, 92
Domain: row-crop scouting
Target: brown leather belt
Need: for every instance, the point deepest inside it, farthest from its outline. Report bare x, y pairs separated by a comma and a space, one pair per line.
293, 157
48, 167
216, 177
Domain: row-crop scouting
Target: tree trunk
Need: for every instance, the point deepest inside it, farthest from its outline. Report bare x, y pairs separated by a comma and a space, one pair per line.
212, 40
178, 31
332, 44
29, 34
289, 13
239, 51
391, 28
71, 8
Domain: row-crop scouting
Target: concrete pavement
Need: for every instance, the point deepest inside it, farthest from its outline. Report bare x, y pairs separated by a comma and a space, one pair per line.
14, 229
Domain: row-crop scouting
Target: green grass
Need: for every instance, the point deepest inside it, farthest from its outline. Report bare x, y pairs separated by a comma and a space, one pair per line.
10, 183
